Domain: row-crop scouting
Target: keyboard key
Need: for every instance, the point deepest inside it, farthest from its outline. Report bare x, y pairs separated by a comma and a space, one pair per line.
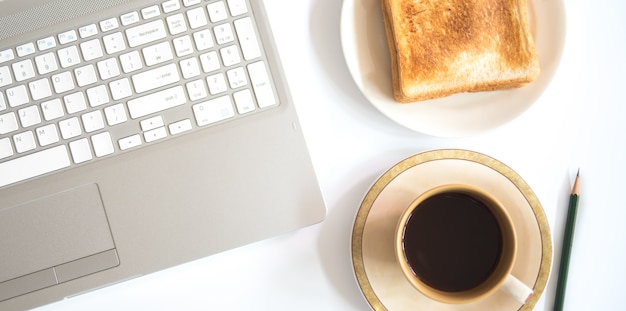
23, 70
171, 6
40, 89
85, 75
223, 34
180, 127
210, 61
191, 2
75, 102
24, 142
67, 37
6, 149
243, 101
129, 18
81, 151
46, 43
217, 11
203, 39
108, 69
52, 109
93, 121
17, 96
236, 78
129, 142
6, 55
176, 24
69, 56
25, 49
29, 116
196, 90
88, 31
114, 43
183, 46
216, 83
151, 123
213, 111
261, 85
146, 33
102, 144
63, 82
197, 18
3, 103
91, 49
47, 135
98, 96
131, 62
115, 114
237, 7
155, 78
156, 102
154, 135
33, 165
158, 53
46, 63
247, 38
190, 68
150, 12
8, 123
70, 128
109, 24
120, 89
230, 55
5, 76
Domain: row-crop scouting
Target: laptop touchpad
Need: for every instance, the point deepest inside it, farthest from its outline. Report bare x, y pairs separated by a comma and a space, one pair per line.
53, 240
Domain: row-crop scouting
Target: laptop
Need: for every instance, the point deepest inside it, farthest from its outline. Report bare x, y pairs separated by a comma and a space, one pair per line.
138, 135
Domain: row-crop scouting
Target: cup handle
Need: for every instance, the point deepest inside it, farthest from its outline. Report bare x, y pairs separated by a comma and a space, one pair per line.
517, 290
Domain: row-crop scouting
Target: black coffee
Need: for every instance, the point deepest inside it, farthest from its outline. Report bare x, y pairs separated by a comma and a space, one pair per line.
452, 242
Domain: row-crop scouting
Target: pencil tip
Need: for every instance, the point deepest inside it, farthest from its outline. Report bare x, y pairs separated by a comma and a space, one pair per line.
576, 187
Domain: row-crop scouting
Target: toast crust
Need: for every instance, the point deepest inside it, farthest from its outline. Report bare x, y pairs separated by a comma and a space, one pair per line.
438, 48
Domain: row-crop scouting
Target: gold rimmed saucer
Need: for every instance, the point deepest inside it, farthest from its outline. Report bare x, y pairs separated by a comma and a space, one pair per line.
376, 269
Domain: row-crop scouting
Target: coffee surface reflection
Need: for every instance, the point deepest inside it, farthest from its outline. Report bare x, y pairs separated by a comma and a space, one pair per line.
452, 242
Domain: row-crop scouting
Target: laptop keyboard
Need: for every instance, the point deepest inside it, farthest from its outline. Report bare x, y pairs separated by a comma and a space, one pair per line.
128, 81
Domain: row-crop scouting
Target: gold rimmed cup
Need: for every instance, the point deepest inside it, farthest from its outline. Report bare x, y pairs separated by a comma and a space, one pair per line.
457, 244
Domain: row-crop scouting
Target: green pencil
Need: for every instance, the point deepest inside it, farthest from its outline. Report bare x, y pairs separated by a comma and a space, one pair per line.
567, 245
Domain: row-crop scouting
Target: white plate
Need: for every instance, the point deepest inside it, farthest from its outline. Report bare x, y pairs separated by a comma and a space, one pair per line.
366, 53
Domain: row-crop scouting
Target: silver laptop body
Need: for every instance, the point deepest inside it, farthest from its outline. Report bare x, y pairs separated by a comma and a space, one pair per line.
177, 179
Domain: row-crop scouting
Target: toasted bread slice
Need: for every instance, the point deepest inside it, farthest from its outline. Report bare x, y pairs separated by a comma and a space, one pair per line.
441, 47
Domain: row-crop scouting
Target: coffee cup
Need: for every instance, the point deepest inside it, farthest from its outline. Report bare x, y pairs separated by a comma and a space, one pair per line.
457, 244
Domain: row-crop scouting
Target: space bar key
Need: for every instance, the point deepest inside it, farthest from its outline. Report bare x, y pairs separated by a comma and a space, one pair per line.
33, 165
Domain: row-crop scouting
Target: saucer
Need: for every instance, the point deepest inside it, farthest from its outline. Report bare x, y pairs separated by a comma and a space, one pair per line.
376, 269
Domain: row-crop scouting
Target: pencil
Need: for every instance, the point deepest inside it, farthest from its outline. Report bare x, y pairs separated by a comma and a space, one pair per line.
567, 245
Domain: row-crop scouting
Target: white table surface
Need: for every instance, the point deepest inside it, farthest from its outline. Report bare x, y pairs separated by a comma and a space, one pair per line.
579, 121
